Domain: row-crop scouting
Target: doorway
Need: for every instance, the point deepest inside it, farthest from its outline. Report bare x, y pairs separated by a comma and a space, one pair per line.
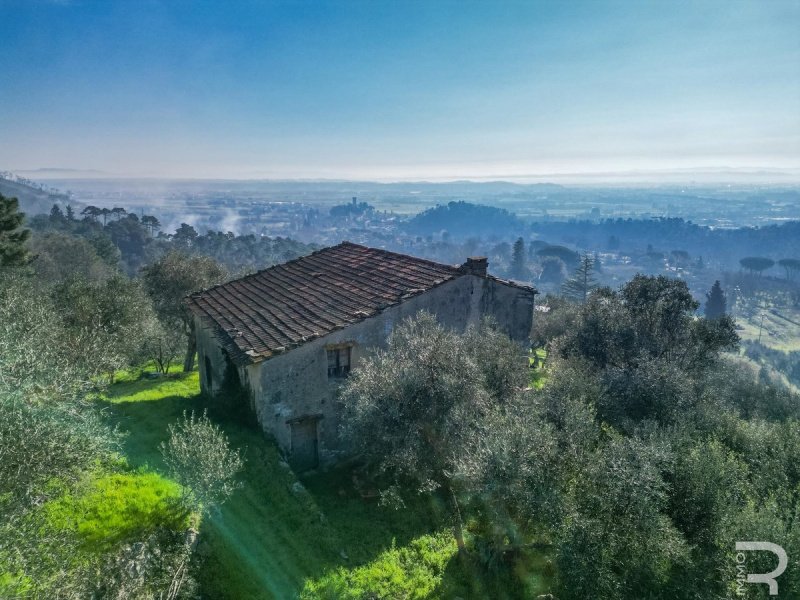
305, 452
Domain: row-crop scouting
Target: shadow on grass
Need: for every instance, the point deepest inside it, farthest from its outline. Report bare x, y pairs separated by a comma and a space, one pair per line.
466, 577
275, 532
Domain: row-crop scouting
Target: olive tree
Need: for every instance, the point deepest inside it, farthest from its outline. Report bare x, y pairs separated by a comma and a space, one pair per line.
105, 320
414, 409
200, 458
169, 280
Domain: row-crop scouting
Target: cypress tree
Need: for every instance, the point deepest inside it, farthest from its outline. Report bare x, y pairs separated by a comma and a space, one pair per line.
716, 305
518, 267
12, 237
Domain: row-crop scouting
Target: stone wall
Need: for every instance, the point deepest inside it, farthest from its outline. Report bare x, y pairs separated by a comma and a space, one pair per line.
296, 384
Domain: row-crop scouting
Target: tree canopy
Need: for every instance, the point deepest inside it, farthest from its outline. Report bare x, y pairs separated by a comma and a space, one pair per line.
716, 305
413, 409
756, 264
13, 238
169, 280
582, 281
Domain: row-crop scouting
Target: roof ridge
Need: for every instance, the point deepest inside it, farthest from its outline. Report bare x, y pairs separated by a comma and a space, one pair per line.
399, 254
326, 249
285, 305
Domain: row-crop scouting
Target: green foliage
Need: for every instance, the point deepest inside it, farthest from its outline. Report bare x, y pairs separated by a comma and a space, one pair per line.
411, 572
37, 353
791, 266
617, 543
579, 286
513, 472
669, 453
118, 507
650, 318
756, 264
554, 316
168, 281
41, 442
554, 270
61, 256
59, 539
12, 238
708, 480
463, 219
110, 317
716, 305
519, 268
199, 456
413, 409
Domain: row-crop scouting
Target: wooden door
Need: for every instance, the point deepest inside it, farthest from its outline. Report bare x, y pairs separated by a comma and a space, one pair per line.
304, 454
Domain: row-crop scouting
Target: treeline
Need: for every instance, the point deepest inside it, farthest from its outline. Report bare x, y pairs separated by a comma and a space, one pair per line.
118, 279
646, 456
631, 236
136, 240
456, 221
70, 320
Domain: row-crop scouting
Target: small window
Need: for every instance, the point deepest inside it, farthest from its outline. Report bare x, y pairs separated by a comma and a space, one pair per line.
339, 362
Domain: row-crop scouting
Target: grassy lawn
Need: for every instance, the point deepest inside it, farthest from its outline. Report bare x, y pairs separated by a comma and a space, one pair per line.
117, 507
780, 328
280, 536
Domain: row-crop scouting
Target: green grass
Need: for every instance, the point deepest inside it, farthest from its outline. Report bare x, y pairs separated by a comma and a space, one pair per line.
178, 385
279, 534
118, 507
101, 512
136, 373
414, 571
780, 328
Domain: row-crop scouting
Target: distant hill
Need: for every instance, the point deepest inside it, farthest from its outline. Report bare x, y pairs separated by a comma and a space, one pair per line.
464, 219
33, 198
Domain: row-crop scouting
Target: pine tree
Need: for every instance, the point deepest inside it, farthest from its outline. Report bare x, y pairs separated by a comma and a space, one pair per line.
582, 281
70, 213
716, 305
519, 269
12, 238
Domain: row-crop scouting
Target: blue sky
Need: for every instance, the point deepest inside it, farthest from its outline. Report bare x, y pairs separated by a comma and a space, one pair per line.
401, 89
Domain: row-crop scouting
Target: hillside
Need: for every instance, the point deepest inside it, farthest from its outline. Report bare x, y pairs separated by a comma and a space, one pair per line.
258, 544
33, 200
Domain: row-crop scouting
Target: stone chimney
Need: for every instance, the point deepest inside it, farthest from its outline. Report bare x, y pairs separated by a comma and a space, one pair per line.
476, 265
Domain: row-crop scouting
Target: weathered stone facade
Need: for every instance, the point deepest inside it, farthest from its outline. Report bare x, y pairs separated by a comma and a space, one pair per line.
294, 393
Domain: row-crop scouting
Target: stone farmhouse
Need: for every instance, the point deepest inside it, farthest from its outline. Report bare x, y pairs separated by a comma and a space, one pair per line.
292, 333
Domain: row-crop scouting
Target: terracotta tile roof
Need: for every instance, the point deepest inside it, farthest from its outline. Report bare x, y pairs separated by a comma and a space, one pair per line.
282, 307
